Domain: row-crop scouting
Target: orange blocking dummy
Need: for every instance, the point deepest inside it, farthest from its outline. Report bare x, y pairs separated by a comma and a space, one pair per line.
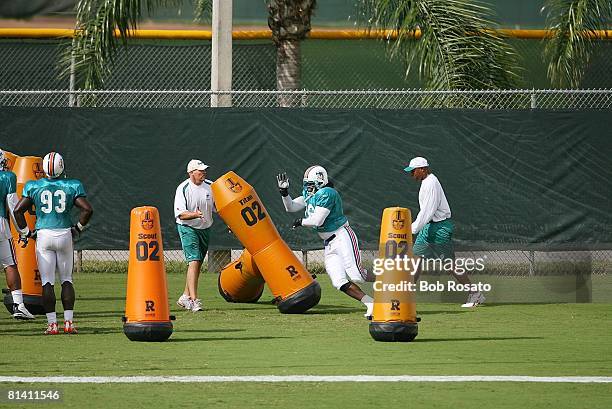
394, 317
27, 168
241, 280
146, 304
294, 289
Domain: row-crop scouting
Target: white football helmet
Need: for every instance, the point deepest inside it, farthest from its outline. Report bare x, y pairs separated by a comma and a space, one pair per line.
315, 178
3, 160
53, 165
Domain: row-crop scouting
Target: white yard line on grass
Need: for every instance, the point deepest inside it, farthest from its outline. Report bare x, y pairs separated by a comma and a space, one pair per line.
304, 378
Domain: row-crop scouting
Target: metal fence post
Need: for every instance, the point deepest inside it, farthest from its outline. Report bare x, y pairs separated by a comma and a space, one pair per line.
305, 258
584, 283
531, 258
79, 261
221, 59
534, 103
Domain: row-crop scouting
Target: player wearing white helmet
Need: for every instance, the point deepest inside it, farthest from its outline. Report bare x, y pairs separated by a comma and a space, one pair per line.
53, 165
324, 212
8, 200
54, 197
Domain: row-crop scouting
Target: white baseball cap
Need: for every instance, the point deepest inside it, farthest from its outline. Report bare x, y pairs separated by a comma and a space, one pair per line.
195, 164
417, 162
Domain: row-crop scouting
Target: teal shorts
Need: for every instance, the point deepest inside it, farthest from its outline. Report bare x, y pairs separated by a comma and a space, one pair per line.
434, 241
194, 242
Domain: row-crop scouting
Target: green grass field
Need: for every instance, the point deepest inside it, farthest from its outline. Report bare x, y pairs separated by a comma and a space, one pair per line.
332, 339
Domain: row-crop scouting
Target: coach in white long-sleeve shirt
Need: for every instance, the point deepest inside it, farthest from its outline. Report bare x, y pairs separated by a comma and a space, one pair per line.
432, 202
433, 225
193, 208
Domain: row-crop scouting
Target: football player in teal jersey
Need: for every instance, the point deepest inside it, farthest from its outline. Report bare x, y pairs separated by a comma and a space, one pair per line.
8, 260
324, 212
54, 197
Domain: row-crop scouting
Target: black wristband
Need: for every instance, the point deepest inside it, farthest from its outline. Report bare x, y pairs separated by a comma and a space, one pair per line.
284, 191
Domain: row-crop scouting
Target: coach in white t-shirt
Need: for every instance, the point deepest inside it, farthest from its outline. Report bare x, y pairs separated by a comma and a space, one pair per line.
193, 207
433, 225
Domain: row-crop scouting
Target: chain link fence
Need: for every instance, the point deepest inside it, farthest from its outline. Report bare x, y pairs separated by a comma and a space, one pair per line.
346, 99
503, 263
33, 64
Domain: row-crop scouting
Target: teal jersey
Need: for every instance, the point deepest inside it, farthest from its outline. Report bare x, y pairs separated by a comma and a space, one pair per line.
53, 200
330, 199
8, 185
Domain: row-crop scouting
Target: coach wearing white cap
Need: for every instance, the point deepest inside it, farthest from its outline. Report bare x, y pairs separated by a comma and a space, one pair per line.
433, 225
193, 207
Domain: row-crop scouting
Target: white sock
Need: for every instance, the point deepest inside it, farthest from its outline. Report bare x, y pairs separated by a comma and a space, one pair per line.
366, 299
51, 317
17, 296
68, 314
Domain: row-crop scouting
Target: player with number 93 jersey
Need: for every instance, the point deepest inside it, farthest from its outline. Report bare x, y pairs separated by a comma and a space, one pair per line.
53, 199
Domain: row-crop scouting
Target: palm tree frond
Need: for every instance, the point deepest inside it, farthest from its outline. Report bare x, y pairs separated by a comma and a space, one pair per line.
458, 48
203, 9
91, 53
573, 23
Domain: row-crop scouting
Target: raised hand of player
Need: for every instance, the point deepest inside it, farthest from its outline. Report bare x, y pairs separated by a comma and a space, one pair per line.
283, 184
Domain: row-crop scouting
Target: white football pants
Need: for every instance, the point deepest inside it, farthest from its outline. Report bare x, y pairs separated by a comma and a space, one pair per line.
342, 258
7, 247
54, 252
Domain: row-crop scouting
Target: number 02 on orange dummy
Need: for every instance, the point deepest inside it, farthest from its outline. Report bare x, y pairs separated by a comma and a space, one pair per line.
242, 210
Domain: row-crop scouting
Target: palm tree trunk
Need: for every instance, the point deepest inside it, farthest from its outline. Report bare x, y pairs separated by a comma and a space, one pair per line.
288, 62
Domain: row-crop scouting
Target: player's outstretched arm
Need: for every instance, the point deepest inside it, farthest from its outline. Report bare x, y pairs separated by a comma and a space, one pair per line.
316, 218
291, 205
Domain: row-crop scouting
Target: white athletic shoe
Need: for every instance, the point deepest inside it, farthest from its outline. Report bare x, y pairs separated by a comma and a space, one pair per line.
370, 310
196, 305
474, 299
185, 302
20, 312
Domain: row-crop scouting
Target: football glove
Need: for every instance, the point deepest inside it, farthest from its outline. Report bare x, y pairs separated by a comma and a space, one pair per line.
25, 236
296, 223
283, 184
77, 229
